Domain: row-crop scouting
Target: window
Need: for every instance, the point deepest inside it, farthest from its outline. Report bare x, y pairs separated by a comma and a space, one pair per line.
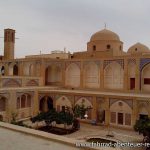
18, 102
12, 37
28, 101
2, 70
108, 46
63, 108
128, 119
135, 49
113, 117
146, 80
120, 118
94, 47
23, 101
120, 47
58, 108
2, 104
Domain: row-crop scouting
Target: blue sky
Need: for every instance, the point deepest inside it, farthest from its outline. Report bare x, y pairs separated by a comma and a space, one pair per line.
45, 25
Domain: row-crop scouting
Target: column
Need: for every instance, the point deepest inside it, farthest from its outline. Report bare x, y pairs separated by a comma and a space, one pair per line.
63, 74
43, 72
20, 69
35, 103
6, 70
11, 105
81, 75
134, 112
107, 111
94, 109
102, 75
125, 82
137, 76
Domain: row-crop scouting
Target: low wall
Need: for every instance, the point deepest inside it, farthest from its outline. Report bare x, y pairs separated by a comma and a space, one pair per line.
43, 135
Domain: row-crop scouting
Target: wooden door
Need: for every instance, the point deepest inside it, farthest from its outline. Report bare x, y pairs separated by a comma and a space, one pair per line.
132, 83
120, 118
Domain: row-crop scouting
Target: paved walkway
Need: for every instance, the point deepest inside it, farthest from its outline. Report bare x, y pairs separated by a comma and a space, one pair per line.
87, 131
12, 140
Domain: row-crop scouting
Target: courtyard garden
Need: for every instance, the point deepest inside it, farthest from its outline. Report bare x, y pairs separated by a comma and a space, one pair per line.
63, 122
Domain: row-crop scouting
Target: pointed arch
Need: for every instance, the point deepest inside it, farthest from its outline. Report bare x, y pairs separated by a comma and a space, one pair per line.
53, 75
2, 104
145, 78
15, 70
91, 75
2, 71
31, 70
46, 104
63, 101
73, 75
120, 114
131, 75
113, 76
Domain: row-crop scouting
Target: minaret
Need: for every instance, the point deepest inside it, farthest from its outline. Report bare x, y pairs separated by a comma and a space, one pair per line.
9, 43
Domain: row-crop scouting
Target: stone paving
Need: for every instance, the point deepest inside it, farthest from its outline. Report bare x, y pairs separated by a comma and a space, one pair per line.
87, 131
12, 140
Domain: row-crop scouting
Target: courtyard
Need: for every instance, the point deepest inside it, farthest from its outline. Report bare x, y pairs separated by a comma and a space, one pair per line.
88, 131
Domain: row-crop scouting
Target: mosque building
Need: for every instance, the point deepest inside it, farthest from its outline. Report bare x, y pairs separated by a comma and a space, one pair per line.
114, 83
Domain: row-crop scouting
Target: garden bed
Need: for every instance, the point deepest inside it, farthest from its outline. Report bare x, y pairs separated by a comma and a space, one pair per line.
56, 130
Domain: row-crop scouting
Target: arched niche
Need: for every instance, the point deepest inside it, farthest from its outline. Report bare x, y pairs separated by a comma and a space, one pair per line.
63, 101
73, 75
113, 76
53, 75
91, 76
145, 78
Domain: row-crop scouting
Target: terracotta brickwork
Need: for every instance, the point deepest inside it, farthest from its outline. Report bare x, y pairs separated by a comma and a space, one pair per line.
119, 79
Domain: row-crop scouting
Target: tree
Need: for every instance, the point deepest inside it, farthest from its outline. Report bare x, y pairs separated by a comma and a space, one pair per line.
48, 117
143, 126
63, 117
80, 111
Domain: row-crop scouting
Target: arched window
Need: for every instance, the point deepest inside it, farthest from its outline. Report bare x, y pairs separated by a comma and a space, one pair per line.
18, 102
3, 70
73, 75
23, 101
108, 46
2, 104
28, 101
94, 47
15, 70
